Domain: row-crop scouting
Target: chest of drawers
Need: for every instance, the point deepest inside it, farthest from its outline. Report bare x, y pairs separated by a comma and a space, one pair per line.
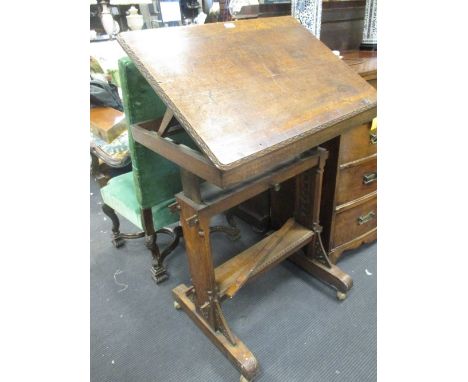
349, 205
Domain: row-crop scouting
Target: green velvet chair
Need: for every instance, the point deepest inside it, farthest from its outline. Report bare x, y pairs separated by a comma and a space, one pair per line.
143, 195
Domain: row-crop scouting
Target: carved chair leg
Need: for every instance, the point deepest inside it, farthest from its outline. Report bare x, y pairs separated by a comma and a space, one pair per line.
232, 232
176, 234
117, 240
158, 271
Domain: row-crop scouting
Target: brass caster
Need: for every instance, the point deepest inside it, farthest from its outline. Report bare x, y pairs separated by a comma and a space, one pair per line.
341, 296
243, 379
177, 305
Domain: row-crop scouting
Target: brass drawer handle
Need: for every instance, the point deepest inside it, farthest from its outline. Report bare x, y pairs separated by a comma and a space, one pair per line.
369, 178
365, 218
373, 138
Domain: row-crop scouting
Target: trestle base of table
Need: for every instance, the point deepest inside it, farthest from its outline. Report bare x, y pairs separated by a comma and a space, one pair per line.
301, 233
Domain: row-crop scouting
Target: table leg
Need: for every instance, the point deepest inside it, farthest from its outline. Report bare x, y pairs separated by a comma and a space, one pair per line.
307, 211
201, 302
239, 355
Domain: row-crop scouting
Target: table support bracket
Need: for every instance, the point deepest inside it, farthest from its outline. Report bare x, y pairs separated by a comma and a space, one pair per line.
235, 350
168, 115
319, 265
307, 211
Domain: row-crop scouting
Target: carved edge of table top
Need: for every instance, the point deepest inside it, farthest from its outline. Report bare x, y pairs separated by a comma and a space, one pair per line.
188, 127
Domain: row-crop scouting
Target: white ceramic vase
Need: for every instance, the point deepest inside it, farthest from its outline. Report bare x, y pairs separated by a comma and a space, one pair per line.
134, 19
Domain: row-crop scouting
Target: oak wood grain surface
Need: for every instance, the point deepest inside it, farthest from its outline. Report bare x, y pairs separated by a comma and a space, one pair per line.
357, 144
227, 274
362, 62
246, 88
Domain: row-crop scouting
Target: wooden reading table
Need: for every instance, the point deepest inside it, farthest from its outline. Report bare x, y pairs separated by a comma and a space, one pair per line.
258, 97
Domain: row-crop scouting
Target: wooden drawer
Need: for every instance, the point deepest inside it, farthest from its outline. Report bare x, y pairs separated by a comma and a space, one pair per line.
357, 143
355, 221
356, 181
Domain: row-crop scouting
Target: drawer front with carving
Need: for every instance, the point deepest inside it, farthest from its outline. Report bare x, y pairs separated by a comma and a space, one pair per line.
356, 181
358, 143
355, 221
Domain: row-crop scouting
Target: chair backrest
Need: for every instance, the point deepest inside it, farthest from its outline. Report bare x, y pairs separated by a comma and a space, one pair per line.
156, 178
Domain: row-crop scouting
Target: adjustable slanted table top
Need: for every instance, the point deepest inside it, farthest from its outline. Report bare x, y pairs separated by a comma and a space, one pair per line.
248, 89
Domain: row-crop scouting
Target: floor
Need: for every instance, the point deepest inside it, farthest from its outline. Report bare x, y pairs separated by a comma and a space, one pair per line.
293, 324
